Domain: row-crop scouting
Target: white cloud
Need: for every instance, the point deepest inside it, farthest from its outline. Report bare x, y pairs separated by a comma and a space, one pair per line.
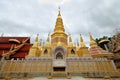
54, 2
29, 17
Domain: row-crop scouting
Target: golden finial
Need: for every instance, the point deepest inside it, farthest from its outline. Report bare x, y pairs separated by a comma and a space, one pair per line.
59, 11
59, 8
37, 38
81, 39
91, 38
70, 39
48, 38
41, 43
82, 44
92, 41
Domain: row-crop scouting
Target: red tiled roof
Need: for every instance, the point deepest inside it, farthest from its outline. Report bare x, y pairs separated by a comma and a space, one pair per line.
97, 51
5, 46
19, 55
6, 39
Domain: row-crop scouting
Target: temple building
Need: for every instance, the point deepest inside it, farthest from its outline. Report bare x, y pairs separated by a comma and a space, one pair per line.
58, 57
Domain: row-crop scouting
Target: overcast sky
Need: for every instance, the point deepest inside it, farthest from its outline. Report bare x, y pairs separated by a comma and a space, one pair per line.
29, 17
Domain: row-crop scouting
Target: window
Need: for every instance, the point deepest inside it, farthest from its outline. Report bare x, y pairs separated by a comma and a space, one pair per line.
72, 51
46, 51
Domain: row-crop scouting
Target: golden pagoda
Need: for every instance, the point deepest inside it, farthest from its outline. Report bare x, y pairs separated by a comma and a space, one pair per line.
59, 57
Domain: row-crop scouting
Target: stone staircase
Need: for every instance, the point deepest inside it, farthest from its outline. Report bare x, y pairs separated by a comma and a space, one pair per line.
59, 74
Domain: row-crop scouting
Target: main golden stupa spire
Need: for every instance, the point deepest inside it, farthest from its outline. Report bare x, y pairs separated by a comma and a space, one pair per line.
59, 35
59, 27
41, 43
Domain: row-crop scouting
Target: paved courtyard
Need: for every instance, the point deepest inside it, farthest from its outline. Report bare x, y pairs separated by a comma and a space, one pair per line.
73, 78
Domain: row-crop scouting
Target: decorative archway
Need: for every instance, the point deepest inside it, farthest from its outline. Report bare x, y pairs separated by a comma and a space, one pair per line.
59, 52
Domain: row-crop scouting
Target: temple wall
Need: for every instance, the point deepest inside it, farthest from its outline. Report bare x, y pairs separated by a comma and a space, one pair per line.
89, 65
26, 66
81, 66
74, 66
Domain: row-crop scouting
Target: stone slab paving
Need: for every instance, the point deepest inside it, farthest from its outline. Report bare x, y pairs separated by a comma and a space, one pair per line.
73, 78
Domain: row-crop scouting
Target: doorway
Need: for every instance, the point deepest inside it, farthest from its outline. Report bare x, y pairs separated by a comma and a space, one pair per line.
59, 55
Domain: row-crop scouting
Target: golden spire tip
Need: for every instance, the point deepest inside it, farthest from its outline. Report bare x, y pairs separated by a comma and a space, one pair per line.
59, 8
59, 11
